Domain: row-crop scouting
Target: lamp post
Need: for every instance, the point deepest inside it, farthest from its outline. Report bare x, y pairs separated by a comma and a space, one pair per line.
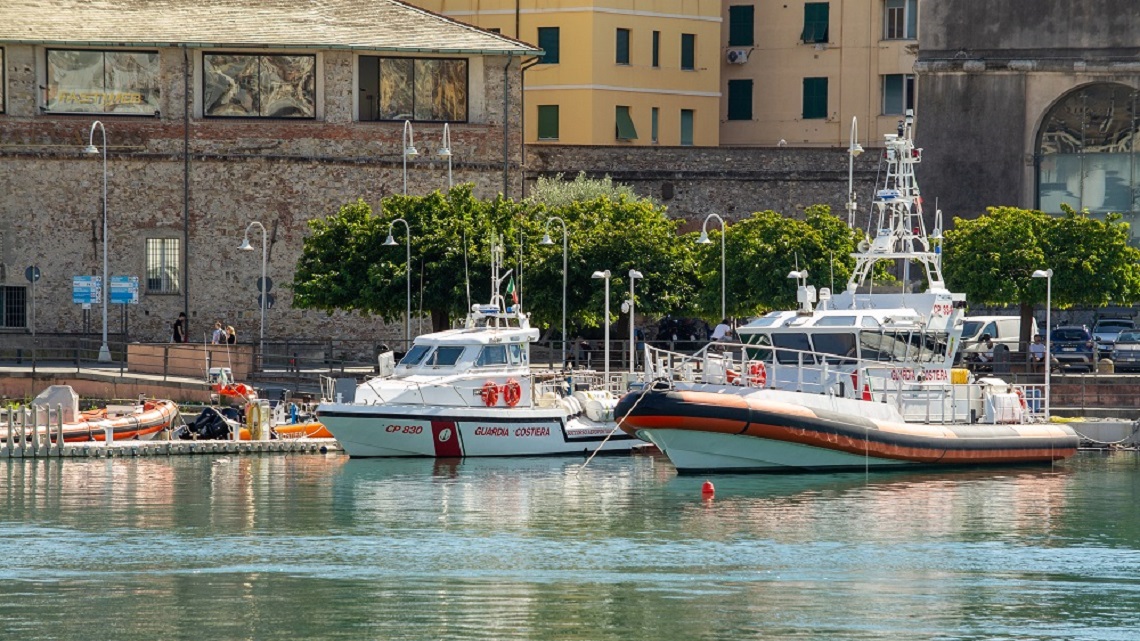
605, 275
853, 151
104, 350
633, 276
264, 288
409, 151
704, 240
445, 152
547, 241
391, 242
1047, 274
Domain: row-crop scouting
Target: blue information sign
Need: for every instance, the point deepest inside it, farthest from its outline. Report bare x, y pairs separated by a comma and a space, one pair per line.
125, 290
86, 289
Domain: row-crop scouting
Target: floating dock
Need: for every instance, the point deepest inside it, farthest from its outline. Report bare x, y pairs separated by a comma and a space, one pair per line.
122, 449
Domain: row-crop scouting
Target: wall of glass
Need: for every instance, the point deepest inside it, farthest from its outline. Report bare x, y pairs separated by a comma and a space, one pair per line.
110, 82
1087, 153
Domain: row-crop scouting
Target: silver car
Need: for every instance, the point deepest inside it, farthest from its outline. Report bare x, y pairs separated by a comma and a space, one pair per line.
1126, 351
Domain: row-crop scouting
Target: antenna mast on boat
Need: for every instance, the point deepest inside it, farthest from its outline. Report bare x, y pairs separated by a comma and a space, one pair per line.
897, 210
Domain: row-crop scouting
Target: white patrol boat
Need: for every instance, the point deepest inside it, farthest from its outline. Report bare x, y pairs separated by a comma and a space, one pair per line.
863, 380
471, 391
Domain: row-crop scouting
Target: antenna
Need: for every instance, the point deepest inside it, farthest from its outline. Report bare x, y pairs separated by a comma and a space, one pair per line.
466, 273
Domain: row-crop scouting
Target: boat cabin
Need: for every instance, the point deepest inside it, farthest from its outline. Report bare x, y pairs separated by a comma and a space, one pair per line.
490, 342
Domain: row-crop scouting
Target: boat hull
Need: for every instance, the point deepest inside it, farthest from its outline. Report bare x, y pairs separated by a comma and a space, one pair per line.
704, 431
396, 431
155, 417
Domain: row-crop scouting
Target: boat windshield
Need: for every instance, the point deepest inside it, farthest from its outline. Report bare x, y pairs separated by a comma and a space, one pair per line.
415, 355
838, 348
445, 356
903, 346
795, 346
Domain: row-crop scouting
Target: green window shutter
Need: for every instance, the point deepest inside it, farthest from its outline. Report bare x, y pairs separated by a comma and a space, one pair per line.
548, 122
687, 127
740, 99
816, 19
893, 94
622, 57
815, 98
625, 129
688, 51
653, 125
656, 48
741, 25
548, 41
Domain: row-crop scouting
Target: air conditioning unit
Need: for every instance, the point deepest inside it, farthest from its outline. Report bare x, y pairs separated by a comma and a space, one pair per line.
736, 56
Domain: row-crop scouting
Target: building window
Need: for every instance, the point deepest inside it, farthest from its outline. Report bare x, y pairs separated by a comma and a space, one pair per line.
162, 266
548, 122
816, 18
687, 127
494, 30
1087, 152
625, 129
102, 82
622, 57
898, 93
740, 99
901, 20
250, 86
656, 49
420, 89
688, 51
548, 38
741, 25
2, 80
14, 305
653, 125
815, 98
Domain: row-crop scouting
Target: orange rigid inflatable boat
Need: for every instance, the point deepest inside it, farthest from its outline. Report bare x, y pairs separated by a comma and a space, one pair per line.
136, 421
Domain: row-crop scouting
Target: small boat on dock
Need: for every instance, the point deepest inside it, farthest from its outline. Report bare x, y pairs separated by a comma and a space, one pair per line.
471, 391
866, 380
55, 411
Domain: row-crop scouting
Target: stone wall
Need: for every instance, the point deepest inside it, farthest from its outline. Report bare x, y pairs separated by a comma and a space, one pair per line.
730, 181
282, 173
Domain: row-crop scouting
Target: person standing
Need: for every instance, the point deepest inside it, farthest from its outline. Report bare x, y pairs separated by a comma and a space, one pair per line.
231, 335
179, 335
219, 336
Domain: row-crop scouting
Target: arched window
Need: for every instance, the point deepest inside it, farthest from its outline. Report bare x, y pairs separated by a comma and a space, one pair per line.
1087, 153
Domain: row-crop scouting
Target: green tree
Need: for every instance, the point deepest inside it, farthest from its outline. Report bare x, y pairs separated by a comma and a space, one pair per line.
556, 191
992, 259
761, 250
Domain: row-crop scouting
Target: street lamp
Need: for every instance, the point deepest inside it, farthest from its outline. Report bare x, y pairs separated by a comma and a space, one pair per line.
606, 350
704, 240
409, 151
546, 241
104, 350
633, 276
445, 152
853, 151
391, 242
264, 288
1047, 274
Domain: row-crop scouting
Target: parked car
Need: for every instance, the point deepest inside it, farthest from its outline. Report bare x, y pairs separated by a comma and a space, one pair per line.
1072, 345
1105, 331
1004, 330
1126, 351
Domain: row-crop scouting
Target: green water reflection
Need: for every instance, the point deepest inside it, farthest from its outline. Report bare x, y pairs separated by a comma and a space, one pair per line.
321, 547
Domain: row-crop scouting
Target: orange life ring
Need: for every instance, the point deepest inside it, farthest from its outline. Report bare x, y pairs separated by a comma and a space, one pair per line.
732, 377
512, 392
757, 374
489, 393
1021, 398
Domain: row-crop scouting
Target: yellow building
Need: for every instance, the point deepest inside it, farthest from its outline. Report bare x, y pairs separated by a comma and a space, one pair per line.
614, 73
797, 71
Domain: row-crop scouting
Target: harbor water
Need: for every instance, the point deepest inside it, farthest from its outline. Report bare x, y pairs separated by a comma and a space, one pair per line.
322, 547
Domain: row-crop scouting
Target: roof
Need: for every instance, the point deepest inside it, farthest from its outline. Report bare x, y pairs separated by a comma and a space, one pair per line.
373, 25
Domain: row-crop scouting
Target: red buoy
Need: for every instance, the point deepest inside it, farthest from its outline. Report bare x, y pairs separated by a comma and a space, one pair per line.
707, 490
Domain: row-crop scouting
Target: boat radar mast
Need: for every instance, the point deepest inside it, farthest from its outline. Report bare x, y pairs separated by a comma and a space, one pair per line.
896, 212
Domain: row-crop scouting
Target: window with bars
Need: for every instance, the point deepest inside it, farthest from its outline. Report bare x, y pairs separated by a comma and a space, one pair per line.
901, 20
13, 307
162, 266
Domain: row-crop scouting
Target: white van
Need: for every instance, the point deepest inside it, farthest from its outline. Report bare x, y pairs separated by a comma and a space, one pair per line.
1002, 329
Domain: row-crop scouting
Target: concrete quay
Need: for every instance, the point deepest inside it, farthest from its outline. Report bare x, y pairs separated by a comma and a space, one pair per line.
125, 449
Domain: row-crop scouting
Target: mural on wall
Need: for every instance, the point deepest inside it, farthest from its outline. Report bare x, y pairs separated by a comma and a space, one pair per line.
1087, 152
238, 85
423, 89
112, 82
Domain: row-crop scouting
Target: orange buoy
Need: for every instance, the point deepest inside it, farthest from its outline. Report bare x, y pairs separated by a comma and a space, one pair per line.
707, 490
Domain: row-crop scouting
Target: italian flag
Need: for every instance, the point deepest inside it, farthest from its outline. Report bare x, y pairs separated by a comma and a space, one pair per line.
511, 291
